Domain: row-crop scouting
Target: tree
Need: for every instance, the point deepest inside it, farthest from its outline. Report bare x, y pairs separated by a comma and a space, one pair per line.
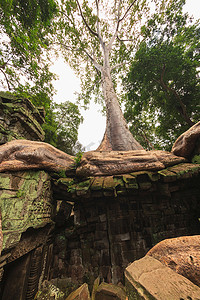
67, 118
25, 27
96, 39
163, 86
24, 65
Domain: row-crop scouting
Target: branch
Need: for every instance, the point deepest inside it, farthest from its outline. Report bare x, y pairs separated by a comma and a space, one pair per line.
6, 79
95, 63
116, 66
117, 27
118, 23
128, 40
84, 20
126, 13
67, 17
98, 26
70, 48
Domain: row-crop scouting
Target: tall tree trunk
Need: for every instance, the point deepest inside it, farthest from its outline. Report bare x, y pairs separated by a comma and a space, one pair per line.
117, 136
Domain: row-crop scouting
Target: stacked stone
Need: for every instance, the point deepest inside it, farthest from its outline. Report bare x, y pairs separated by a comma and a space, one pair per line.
27, 212
19, 119
26, 207
117, 219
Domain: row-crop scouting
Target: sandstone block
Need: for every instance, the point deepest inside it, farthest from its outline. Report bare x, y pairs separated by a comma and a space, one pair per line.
147, 278
82, 293
110, 291
181, 254
25, 201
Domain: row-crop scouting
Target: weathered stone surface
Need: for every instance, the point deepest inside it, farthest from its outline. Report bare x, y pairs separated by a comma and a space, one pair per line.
25, 201
185, 144
82, 293
1, 233
23, 154
19, 118
110, 291
15, 284
181, 254
24, 276
113, 162
95, 287
71, 189
30, 240
49, 291
139, 210
148, 278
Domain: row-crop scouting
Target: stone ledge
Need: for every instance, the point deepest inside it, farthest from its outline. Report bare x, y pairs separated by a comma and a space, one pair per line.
124, 184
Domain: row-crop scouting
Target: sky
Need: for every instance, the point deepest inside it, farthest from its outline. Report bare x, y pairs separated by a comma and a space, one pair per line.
91, 131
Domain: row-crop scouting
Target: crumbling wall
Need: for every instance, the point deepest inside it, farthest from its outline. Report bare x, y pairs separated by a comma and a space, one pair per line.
26, 205
19, 119
117, 219
26, 213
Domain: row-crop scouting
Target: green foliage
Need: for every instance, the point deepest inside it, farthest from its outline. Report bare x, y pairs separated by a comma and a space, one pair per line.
163, 86
77, 158
78, 37
20, 193
25, 35
62, 129
62, 174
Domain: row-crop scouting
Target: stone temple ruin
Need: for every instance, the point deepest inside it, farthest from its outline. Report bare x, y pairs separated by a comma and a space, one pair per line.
75, 224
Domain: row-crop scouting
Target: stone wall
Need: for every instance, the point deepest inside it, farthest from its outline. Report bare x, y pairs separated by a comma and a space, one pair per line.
26, 207
27, 212
117, 219
19, 118
79, 229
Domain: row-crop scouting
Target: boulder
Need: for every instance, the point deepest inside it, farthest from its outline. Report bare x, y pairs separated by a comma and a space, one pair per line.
108, 291
181, 254
147, 278
186, 142
82, 293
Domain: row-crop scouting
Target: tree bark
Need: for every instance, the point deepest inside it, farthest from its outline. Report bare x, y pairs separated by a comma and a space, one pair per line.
117, 136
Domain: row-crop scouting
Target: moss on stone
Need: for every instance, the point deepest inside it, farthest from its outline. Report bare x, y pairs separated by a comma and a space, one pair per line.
25, 201
196, 159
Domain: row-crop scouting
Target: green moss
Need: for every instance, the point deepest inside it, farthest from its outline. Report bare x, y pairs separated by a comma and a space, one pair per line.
25, 201
196, 159
4, 181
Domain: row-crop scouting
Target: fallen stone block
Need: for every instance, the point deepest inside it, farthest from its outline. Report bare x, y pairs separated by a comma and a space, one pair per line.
82, 293
181, 254
147, 279
108, 291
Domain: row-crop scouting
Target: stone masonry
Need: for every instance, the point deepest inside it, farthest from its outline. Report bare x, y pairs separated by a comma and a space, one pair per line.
117, 219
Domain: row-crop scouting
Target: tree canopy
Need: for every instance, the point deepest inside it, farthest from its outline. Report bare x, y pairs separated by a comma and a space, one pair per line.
163, 85
67, 120
26, 31
97, 39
